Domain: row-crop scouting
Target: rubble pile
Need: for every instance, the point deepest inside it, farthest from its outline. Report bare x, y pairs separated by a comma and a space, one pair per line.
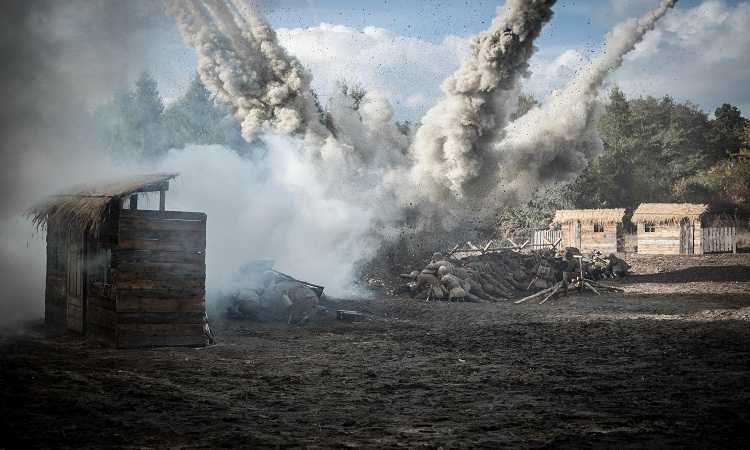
266, 294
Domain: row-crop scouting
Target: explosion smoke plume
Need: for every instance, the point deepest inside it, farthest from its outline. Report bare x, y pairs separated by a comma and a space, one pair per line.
240, 59
553, 142
446, 151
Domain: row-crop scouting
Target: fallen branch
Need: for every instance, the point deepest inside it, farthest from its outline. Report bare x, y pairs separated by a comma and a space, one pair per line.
538, 294
589, 286
552, 294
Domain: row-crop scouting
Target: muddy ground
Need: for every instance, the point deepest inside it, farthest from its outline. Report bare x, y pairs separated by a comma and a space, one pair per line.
666, 364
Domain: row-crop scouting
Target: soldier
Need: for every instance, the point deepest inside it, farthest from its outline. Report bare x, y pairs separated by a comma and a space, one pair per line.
617, 266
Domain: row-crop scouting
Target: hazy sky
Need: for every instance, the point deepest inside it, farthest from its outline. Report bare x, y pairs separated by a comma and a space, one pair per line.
405, 49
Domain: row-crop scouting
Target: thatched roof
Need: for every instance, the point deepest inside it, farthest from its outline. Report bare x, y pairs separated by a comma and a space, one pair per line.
85, 206
589, 216
662, 213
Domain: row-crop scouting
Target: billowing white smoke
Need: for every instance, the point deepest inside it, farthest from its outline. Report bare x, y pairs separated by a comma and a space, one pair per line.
275, 208
553, 142
446, 151
320, 204
240, 59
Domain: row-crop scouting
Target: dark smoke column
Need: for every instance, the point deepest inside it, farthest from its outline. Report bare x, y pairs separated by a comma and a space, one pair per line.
476, 98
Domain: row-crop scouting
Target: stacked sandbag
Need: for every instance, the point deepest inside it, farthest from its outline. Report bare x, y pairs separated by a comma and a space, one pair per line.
485, 277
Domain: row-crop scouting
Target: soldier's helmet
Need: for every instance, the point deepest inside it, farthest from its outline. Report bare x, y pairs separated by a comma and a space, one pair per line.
437, 256
442, 271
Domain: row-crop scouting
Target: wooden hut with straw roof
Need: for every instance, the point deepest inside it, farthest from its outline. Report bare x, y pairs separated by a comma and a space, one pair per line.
127, 276
669, 228
590, 229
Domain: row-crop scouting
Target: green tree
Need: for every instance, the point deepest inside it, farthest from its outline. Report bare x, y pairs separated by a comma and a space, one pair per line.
728, 127
195, 119
146, 117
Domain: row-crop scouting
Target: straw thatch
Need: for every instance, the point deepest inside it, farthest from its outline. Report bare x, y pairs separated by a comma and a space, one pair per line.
667, 213
85, 206
589, 216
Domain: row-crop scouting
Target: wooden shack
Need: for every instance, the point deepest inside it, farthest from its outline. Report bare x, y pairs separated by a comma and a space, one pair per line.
129, 277
669, 228
590, 229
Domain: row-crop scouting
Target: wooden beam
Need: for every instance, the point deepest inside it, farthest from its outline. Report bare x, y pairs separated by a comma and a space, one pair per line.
162, 200
134, 201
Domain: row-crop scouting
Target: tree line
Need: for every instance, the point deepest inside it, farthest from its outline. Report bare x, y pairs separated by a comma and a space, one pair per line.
655, 149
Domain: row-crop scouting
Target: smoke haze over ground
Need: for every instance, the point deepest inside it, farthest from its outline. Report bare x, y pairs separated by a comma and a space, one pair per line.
57, 58
331, 187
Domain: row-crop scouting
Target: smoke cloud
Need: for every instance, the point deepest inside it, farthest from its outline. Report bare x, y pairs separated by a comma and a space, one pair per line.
477, 99
552, 142
58, 59
335, 183
240, 59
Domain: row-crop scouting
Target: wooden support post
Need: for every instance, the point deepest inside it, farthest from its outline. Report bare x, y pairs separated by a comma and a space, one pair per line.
162, 200
134, 201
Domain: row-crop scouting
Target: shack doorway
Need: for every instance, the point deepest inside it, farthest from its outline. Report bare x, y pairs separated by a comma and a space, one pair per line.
575, 230
686, 237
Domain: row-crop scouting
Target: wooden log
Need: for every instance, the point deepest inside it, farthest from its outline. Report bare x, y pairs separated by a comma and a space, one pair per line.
592, 288
538, 294
552, 294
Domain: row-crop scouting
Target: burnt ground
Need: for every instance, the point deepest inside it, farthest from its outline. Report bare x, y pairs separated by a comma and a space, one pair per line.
666, 364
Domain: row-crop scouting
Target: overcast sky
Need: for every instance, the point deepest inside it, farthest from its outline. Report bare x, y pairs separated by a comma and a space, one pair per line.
699, 52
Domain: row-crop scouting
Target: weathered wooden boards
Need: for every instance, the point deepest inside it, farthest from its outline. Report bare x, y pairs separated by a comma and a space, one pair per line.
159, 279
665, 239
720, 240
585, 237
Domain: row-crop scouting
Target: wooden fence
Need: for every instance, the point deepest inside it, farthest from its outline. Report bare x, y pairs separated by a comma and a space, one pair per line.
720, 240
542, 239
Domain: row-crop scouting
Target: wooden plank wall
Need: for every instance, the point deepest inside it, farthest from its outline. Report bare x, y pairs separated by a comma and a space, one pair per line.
665, 240
605, 242
54, 292
158, 278
719, 240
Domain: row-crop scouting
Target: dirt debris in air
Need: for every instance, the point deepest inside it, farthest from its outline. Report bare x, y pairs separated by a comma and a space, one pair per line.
667, 363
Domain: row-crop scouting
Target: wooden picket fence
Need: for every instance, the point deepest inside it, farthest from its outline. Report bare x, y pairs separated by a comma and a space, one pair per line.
720, 240
542, 239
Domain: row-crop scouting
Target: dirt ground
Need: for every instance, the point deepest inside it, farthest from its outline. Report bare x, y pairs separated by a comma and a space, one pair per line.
666, 364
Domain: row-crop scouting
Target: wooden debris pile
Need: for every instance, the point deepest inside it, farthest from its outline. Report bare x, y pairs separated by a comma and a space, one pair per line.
266, 294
